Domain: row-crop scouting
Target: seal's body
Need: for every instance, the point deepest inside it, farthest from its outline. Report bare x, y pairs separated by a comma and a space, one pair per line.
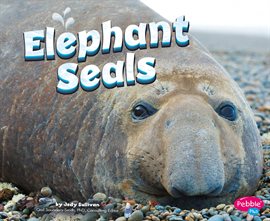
189, 137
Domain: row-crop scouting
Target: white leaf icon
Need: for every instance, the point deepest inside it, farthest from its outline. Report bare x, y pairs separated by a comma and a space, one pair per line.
67, 10
69, 22
57, 17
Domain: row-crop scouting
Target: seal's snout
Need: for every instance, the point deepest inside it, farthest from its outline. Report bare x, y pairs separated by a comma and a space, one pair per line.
178, 189
194, 164
206, 179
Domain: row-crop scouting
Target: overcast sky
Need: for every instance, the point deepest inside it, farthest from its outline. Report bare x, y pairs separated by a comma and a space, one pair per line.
235, 16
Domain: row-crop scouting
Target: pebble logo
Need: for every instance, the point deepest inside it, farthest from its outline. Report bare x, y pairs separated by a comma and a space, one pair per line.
249, 204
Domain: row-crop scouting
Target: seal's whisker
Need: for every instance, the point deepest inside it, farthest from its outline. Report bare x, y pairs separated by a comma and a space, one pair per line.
156, 88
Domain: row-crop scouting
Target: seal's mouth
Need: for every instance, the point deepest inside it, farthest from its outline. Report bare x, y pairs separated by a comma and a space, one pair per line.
175, 193
187, 202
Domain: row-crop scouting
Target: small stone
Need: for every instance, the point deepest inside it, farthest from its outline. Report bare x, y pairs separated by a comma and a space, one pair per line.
156, 212
24, 217
266, 141
197, 216
117, 200
168, 208
33, 219
264, 108
138, 207
154, 218
136, 216
266, 211
183, 213
257, 218
159, 207
176, 218
245, 214
200, 217
119, 207
250, 97
3, 215
46, 217
249, 217
216, 218
267, 196
90, 217
220, 206
122, 218
100, 197
32, 194
261, 197
148, 213
104, 217
6, 194
165, 214
33, 214
109, 206
177, 211
145, 209
26, 211
226, 217
212, 212
235, 218
204, 210
258, 119
46, 191
230, 209
30, 204
46, 202
14, 218
190, 217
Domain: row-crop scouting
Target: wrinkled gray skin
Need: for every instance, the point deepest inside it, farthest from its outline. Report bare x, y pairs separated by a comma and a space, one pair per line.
82, 143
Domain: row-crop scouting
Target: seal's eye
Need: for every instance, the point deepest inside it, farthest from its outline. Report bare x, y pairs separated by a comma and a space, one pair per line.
142, 110
228, 111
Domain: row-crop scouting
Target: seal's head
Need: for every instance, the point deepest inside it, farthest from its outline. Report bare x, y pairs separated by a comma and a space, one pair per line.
191, 136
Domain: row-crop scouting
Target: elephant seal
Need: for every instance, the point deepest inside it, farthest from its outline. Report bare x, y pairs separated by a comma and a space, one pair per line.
188, 139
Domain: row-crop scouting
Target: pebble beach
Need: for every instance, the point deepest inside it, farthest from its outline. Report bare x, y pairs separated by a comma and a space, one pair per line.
251, 70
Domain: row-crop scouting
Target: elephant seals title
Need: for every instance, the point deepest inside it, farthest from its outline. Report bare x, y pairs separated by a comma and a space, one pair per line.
112, 74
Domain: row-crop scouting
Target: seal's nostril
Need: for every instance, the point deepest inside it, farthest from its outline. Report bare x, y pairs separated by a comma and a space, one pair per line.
168, 123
